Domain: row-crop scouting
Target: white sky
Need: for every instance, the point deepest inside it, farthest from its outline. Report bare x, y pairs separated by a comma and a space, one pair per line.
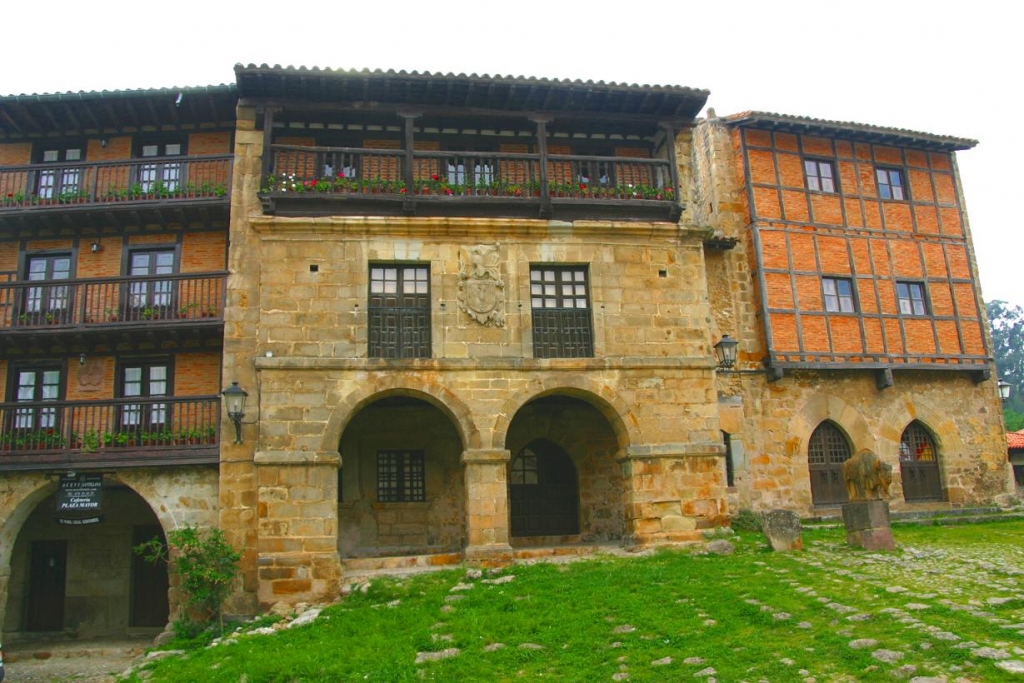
939, 66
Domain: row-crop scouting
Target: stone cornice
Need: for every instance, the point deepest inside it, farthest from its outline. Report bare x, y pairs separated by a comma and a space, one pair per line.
477, 364
287, 228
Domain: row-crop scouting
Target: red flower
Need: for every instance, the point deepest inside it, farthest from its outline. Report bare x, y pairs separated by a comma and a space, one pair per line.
447, 191
341, 174
10, 194
436, 177
402, 190
583, 186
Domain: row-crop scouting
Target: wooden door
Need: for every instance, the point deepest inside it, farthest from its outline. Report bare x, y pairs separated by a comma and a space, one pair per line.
543, 493
149, 582
47, 576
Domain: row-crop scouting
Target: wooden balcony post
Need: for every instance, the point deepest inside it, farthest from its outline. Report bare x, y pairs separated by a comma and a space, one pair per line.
673, 169
409, 204
268, 130
542, 149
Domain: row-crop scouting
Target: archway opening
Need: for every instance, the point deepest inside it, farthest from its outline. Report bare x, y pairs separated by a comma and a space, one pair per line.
83, 580
919, 465
827, 450
400, 487
564, 482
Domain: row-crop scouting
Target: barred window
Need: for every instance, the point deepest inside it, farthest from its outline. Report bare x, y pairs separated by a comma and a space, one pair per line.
916, 444
560, 301
399, 311
828, 446
401, 477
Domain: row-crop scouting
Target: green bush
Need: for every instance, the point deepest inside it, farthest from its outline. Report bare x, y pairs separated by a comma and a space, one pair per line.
746, 520
206, 564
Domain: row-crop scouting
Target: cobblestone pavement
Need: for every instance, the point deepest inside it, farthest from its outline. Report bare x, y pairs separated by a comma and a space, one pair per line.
99, 661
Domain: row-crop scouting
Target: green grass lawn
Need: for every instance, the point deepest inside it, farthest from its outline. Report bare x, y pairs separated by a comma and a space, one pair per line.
751, 616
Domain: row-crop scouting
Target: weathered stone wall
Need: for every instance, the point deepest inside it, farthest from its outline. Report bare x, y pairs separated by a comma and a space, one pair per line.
98, 587
296, 339
773, 423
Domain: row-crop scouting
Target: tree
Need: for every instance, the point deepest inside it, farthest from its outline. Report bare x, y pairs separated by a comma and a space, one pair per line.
1008, 348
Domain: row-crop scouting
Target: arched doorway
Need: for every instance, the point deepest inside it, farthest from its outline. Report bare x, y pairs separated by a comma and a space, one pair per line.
543, 492
919, 465
84, 580
564, 483
401, 484
827, 450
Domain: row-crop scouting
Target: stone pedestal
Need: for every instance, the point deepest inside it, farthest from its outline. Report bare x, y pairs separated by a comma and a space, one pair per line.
782, 527
487, 531
867, 525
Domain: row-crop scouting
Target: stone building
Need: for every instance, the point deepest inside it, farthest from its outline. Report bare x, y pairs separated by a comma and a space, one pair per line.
113, 244
845, 271
476, 318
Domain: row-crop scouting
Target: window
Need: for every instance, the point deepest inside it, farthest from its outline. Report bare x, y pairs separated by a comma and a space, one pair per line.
916, 444
820, 175
58, 180
46, 303
561, 312
910, 296
164, 175
838, 295
148, 297
145, 380
890, 183
37, 386
399, 311
401, 477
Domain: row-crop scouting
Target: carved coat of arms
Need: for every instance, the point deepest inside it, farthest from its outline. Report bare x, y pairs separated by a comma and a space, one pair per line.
481, 291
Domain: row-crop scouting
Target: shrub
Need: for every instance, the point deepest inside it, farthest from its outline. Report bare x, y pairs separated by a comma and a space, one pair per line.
206, 565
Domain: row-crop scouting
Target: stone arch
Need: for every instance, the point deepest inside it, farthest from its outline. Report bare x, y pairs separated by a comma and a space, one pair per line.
621, 419
434, 394
901, 413
172, 498
34, 491
162, 495
820, 408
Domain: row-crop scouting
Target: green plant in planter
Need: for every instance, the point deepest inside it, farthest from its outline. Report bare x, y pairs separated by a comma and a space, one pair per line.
90, 441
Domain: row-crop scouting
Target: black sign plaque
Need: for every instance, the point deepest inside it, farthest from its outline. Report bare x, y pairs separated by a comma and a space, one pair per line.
80, 498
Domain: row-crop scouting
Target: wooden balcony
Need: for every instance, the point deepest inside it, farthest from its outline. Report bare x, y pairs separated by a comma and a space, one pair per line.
58, 315
135, 432
318, 181
152, 191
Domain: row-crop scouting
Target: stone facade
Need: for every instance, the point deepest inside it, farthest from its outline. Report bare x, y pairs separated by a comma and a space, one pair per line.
469, 438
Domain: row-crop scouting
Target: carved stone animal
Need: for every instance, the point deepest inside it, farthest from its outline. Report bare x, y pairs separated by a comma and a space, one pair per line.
867, 477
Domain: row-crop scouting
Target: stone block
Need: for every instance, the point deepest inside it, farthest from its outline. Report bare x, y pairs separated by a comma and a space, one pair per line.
782, 527
867, 525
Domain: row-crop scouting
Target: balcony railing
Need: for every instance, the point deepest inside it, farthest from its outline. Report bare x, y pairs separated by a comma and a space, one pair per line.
69, 432
109, 183
138, 301
424, 178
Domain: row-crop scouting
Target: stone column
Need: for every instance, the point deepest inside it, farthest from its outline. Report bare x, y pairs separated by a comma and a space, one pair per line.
673, 492
297, 538
487, 531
